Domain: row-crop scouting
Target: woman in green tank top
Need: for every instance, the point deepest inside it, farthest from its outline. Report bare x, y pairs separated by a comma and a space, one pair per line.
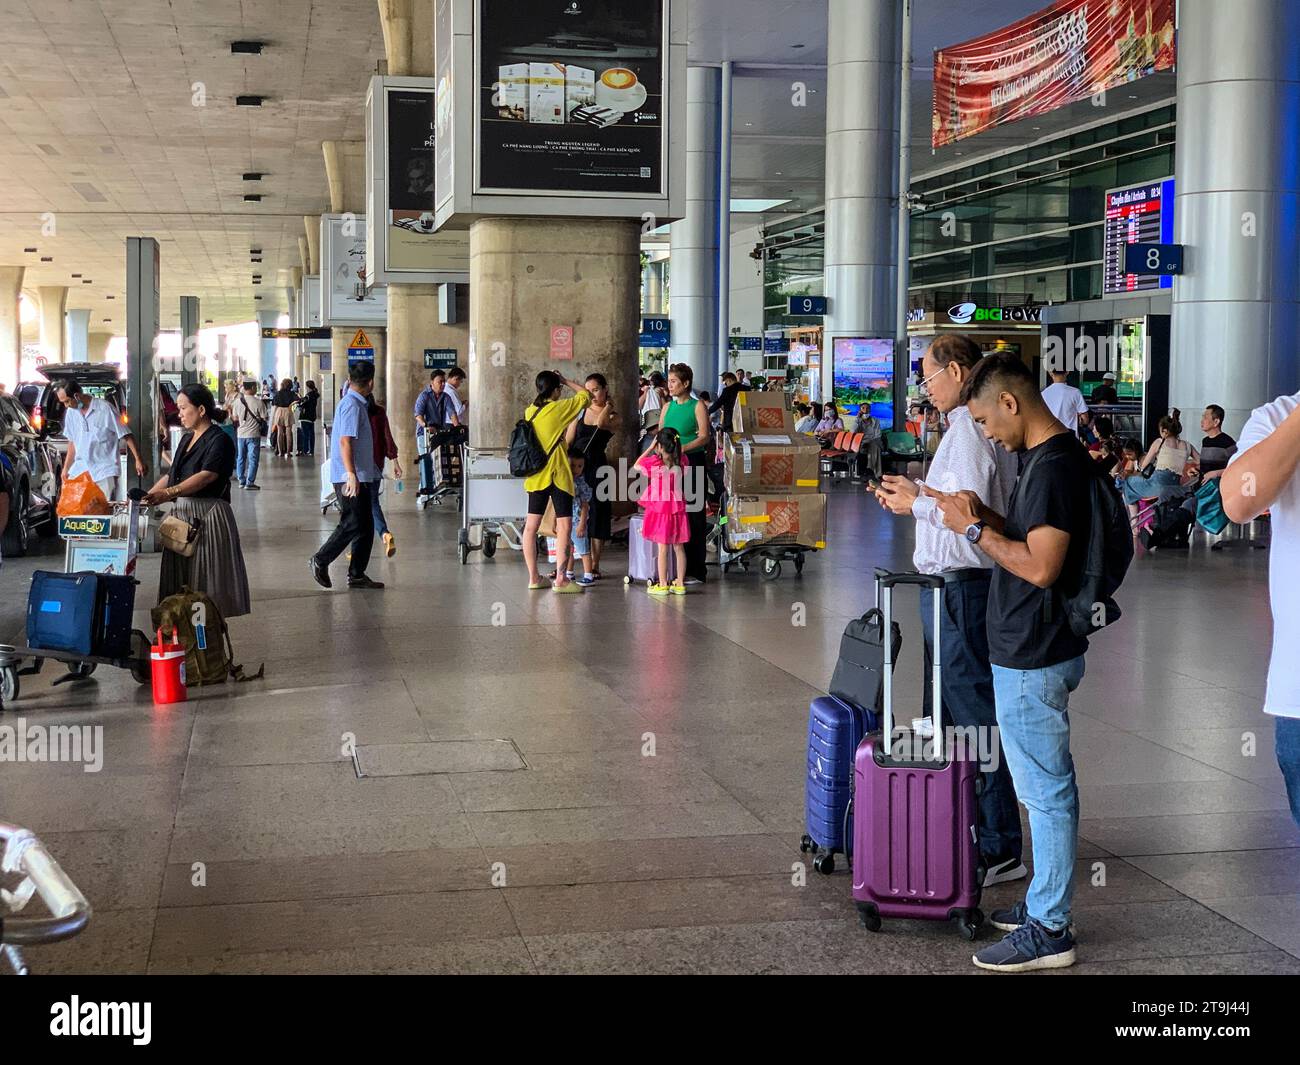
690, 418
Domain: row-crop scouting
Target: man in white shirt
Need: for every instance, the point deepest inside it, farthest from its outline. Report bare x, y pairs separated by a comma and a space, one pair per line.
1066, 402
965, 460
1262, 476
93, 429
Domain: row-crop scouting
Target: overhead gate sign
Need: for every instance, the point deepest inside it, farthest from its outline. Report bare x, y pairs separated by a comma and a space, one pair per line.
1068, 52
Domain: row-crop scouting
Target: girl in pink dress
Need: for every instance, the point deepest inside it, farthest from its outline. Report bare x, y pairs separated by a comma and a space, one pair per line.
664, 501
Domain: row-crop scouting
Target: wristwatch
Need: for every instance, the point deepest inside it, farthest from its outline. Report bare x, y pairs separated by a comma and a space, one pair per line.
974, 531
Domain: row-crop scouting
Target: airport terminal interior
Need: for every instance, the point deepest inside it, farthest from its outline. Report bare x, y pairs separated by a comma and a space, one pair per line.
443, 763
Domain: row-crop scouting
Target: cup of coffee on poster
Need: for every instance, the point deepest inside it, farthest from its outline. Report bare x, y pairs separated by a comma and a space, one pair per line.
619, 89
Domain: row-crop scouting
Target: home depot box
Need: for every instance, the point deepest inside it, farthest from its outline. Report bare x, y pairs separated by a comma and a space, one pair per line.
782, 463
754, 520
760, 412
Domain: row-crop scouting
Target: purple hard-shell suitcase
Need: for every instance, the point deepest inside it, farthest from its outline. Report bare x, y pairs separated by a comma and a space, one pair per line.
915, 825
643, 556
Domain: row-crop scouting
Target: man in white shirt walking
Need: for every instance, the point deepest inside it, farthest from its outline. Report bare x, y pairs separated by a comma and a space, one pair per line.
1262, 476
965, 460
93, 429
1066, 402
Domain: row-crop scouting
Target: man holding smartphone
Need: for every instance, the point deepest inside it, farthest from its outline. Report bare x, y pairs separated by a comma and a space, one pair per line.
965, 459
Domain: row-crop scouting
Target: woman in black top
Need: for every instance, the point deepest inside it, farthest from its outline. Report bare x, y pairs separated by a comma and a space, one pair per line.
282, 418
591, 435
308, 411
198, 484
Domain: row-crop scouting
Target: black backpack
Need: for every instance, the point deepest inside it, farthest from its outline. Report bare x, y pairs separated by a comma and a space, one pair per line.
1106, 558
527, 456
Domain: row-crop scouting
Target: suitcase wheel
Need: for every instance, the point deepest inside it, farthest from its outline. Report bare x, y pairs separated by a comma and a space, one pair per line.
627, 580
82, 669
869, 916
969, 921
824, 863
806, 844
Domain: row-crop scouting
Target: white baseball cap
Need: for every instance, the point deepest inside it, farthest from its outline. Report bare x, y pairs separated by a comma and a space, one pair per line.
1108, 376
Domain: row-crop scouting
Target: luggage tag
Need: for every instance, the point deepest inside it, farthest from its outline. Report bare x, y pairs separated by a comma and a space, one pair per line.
199, 616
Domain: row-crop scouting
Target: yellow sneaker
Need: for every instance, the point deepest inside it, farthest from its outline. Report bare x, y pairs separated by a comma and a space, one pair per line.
678, 588
390, 545
658, 589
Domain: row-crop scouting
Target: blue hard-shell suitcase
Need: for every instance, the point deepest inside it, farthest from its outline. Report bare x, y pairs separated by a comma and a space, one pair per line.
62, 612
835, 728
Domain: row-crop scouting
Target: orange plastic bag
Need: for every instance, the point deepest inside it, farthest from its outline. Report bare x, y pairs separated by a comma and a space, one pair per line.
82, 495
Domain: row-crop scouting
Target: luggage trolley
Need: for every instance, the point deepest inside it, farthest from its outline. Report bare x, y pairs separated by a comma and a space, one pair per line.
441, 455
94, 544
494, 500
768, 556
22, 854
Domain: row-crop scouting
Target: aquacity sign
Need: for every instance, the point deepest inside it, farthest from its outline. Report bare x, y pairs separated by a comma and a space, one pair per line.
973, 313
85, 525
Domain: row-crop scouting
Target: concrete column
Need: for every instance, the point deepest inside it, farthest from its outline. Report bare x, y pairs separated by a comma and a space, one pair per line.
11, 327
413, 326
408, 37
54, 302
97, 346
695, 237
655, 303
78, 321
863, 71
529, 274
1235, 310
267, 349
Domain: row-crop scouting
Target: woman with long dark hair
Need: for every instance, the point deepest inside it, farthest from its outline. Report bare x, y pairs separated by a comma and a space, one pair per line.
282, 419
308, 412
591, 435
690, 418
198, 484
553, 483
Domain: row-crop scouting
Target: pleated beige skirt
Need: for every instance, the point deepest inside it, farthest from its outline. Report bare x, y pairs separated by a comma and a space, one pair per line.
217, 566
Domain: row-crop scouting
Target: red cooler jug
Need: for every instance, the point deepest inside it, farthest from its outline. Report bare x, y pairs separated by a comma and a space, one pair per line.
167, 666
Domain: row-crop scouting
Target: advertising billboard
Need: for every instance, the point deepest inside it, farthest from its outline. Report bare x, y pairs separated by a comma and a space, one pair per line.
1067, 52
863, 375
572, 97
345, 299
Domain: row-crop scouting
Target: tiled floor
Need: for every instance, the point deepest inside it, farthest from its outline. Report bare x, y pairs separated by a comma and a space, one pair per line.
612, 783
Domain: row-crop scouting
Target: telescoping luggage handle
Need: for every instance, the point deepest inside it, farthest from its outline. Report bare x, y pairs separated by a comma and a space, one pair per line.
885, 582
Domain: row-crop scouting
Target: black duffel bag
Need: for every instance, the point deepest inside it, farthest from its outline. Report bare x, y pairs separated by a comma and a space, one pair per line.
860, 671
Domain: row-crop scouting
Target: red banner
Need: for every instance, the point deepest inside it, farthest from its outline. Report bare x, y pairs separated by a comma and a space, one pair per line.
1067, 52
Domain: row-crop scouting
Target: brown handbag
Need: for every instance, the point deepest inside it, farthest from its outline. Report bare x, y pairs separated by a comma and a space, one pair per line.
178, 535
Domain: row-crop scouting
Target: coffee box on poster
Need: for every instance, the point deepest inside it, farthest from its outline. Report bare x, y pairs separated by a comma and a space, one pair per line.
512, 91
579, 88
546, 93
754, 520
782, 463
762, 412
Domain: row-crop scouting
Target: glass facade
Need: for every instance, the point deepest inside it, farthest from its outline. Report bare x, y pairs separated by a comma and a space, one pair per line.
1021, 227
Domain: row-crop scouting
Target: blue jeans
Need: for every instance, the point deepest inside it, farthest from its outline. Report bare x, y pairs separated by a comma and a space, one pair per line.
1033, 715
248, 454
1138, 488
1286, 738
377, 511
968, 701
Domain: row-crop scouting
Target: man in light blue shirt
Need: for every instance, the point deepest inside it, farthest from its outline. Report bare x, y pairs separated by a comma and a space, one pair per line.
352, 472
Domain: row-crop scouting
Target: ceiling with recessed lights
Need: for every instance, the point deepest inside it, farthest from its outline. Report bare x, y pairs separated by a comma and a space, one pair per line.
119, 118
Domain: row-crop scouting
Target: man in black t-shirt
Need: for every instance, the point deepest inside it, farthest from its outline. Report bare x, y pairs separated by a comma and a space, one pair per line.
1038, 549
1220, 445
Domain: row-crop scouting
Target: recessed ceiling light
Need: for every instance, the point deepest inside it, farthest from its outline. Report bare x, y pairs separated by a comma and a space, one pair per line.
47, 258
87, 281
252, 199
108, 319
77, 276
207, 321
249, 101
110, 297
30, 251
798, 46
257, 297
253, 175
254, 251
246, 47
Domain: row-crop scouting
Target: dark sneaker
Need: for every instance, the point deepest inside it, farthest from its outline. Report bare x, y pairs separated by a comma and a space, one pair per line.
319, 572
1010, 919
1030, 946
364, 582
253, 487
1001, 872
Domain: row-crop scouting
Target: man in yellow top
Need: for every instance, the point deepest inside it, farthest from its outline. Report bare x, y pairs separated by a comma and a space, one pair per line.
550, 417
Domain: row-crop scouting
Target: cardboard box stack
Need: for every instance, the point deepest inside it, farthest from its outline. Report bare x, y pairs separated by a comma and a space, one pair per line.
772, 477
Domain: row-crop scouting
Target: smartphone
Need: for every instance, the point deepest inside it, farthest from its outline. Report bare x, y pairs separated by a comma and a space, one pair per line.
874, 483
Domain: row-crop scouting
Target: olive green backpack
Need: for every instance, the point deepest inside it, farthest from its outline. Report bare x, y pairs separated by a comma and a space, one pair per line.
202, 631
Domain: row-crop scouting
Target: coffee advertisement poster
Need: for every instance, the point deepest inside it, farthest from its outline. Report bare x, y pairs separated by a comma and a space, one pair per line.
412, 242
571, 96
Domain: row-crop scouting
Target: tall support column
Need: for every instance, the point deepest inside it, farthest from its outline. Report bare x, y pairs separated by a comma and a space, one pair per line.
190, 340
54, 302
528, 275
413, 325
309, 250
1236, 310
78, 323
11, 329
695, 251
267, 349
863, 58
97, 346
724, 231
